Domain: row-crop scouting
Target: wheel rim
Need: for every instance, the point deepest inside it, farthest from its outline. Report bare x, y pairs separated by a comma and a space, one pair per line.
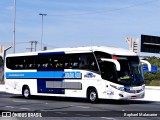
93, 96
26, 92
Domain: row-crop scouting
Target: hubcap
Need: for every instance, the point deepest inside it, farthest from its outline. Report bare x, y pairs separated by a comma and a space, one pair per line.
93, 96
26, 92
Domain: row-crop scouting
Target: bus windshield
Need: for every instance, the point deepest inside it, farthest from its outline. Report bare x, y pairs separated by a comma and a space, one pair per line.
130, 74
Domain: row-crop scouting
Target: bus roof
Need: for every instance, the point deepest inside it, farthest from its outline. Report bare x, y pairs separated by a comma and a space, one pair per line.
109, 50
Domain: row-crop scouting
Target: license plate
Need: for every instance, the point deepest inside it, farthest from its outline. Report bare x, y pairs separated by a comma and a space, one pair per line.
133, 97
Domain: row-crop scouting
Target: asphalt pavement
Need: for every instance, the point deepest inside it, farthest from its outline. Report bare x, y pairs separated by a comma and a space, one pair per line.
40, 107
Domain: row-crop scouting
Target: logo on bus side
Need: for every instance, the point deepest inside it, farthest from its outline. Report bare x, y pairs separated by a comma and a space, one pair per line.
109, 92
89, 75
72, 75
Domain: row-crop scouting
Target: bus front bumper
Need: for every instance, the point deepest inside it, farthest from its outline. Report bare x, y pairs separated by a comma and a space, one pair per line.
125, 95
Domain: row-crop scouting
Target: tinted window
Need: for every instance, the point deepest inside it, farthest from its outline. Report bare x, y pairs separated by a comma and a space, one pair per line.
80, 61
50, 62
68, 61
35, 62
22, 62
108, 71
100, 55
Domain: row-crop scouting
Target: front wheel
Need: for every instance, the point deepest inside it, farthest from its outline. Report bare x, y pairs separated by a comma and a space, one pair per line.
93, 96
26, 92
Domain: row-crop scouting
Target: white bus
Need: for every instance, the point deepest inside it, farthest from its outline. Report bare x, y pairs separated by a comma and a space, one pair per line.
86, 72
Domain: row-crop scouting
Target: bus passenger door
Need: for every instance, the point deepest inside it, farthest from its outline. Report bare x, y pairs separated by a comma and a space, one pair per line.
108, 73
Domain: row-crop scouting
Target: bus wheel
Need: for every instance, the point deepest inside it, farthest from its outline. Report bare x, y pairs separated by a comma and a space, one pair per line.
93, 96
26, 92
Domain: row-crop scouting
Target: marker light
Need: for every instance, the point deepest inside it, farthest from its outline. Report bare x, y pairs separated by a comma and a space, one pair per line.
115, 57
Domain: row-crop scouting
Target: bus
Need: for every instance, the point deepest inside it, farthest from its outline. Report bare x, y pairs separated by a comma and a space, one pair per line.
96, 72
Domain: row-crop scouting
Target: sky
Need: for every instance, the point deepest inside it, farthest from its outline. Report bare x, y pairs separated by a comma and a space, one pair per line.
74, 23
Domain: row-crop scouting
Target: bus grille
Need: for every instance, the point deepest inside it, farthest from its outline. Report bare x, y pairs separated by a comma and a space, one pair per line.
133, 91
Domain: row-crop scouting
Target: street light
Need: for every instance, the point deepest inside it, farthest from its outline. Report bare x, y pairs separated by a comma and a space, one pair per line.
42, 28
14, 26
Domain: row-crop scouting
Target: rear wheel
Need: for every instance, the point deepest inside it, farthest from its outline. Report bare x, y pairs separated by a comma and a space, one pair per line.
93, 96
26, 92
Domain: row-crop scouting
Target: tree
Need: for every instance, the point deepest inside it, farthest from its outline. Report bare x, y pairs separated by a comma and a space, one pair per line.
153, 79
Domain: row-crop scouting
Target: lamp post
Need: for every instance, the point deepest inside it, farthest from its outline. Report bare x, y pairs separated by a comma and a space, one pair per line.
42, 14
14, 26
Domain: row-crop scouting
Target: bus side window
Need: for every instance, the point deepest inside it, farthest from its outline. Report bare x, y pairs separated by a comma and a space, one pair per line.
81, 64
17, 66
108, 71
33, 66
75, 65
68, 65
49, 65
87, 61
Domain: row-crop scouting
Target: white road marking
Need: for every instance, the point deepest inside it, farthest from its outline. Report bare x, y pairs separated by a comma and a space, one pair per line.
80, 106
25, 108
83, 107
47, 110
9, 106
108, 118
18, 101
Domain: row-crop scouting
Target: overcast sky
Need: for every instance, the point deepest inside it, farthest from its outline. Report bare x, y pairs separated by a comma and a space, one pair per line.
72, 23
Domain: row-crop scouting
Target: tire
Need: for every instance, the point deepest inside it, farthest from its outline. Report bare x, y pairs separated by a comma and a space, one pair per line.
26, 92
93, 96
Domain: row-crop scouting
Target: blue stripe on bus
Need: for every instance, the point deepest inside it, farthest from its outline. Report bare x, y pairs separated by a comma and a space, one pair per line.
52, 90
40, 74
59, 74
41, 87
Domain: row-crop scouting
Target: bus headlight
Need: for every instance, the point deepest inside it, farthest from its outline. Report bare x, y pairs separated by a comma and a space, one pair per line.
118, 88
121, 88
143, 87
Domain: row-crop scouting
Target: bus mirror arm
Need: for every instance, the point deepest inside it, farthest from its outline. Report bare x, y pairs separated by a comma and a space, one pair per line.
147, 63
118, 67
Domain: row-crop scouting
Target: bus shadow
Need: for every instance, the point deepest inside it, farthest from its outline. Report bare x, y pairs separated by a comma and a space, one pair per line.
51, 98
83, 100
124, 102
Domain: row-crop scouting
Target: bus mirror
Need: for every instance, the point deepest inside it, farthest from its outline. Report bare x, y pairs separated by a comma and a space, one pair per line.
147, 63
113, 61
